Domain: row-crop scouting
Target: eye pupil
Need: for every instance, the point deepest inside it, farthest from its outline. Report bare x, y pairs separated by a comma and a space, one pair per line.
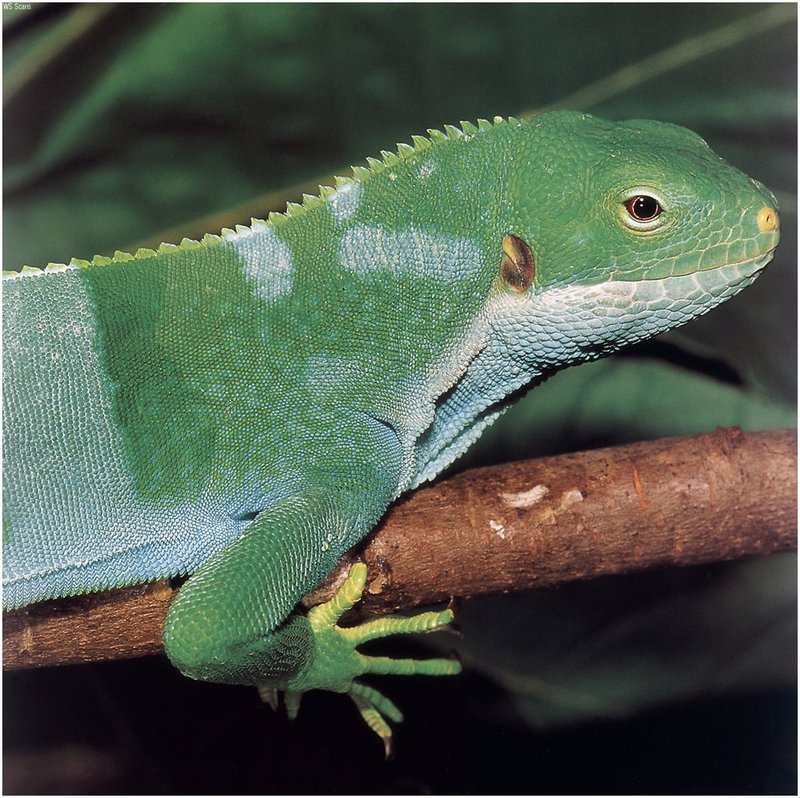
643, 208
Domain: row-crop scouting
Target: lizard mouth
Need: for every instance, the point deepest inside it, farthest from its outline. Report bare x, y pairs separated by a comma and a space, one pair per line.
750, 266
747, 267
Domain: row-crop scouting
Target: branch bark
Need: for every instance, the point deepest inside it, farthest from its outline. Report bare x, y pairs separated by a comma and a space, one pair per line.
675, 501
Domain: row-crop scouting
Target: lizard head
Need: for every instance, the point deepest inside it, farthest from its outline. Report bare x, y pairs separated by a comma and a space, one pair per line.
633, 228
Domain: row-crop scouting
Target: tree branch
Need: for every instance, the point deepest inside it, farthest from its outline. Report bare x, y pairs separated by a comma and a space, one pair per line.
678, 501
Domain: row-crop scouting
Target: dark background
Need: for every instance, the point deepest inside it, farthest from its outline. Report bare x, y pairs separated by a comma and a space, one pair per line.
127, 124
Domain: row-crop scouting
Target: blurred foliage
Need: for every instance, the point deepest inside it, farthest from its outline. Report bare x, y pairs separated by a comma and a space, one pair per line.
124, 124
586, 651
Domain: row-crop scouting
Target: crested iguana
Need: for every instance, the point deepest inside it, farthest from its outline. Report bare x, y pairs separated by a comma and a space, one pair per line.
244, 408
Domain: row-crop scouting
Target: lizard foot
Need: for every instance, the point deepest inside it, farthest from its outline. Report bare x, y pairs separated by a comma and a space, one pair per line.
336, 662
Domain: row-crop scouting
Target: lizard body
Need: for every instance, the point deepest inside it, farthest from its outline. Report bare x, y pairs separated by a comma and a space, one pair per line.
245, 408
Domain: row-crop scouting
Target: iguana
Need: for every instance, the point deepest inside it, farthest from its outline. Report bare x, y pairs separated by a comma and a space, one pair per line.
244, 408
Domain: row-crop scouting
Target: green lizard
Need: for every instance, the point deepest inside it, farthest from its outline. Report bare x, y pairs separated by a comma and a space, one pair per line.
244, 408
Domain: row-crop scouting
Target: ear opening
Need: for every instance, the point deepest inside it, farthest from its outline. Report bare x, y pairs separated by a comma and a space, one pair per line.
517, 267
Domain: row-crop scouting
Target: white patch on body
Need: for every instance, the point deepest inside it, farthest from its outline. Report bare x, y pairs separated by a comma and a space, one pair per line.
327, 373
266, 261
426, 169
365, 249
344, 202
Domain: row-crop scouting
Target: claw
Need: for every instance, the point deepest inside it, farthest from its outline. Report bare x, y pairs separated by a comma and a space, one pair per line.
370, 705
269, 695
292, 700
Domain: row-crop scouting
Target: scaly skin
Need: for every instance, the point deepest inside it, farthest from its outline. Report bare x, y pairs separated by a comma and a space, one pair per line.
245, 408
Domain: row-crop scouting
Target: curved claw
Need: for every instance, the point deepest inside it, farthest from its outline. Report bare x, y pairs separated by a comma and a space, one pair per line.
372, 705
269, 695
292, 699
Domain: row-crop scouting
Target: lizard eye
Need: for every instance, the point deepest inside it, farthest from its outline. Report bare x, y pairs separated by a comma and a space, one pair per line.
642, 211
643, 208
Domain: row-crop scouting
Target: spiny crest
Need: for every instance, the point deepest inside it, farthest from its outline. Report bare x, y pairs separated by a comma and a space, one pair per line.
419, 144
374, 166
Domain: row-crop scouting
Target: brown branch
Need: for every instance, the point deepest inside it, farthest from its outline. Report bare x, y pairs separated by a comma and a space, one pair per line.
679, 501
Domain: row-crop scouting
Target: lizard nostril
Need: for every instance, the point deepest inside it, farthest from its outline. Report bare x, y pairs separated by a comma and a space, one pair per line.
767, 219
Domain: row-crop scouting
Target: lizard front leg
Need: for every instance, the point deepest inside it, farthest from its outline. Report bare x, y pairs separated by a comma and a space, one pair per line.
233, 621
